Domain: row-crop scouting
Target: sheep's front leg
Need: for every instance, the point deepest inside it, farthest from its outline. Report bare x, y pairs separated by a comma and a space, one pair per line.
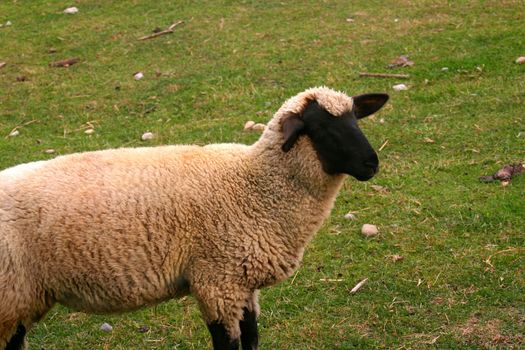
249, 332
220, 338
17, 341
226, 306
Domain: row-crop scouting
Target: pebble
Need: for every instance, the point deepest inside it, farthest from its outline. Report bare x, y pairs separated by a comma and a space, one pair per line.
369, 230
71, 10
89, 131
14, 133
259, 127
106, 327
249, 125
444, 69
520, 59
49, 151
147, 136
400, 87
350, 216
138, 76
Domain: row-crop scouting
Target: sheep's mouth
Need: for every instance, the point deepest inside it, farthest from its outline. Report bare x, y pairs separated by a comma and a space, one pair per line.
365, 175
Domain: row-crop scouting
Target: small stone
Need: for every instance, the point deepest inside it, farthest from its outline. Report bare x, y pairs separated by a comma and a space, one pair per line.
8, 23
49, 151
396, 257
444, 69
520, 59
369, 230
349, 20
249, 125
382, 121
147, 136
138, 75
106, 327
71, 10
14, 133
89, 131
400, 87
259, 127
350, 216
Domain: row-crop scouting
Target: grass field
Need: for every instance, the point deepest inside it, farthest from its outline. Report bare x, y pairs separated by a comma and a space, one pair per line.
461, 282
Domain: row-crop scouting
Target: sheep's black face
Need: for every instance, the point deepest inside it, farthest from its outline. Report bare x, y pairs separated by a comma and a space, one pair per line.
340, 144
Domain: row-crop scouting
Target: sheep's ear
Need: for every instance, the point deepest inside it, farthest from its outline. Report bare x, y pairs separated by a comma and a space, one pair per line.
293, 127
367, 104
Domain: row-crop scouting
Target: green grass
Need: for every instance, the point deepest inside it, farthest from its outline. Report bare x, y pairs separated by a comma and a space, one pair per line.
236, 61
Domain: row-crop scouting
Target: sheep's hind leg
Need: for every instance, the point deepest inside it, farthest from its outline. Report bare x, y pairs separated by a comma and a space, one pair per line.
17, 341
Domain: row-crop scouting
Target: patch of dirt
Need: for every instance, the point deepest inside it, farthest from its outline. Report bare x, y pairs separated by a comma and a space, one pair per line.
489, 334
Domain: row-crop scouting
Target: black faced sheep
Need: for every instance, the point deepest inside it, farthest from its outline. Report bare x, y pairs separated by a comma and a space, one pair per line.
119, 229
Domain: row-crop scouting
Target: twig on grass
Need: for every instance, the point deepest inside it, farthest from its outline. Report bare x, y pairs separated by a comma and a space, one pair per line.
87, 125
2, 64
166, 31
435, 280
294, 276
383, 146
358, 286
331, 279
489, 262
21, 126
384, 75
65, 63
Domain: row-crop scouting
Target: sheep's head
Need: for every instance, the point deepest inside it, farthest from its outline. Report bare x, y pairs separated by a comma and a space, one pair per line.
329, 119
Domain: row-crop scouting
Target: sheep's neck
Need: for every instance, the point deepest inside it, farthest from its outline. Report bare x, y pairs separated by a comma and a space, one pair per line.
295, 190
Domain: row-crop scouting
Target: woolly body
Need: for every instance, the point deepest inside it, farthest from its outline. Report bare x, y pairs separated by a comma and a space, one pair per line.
115, 230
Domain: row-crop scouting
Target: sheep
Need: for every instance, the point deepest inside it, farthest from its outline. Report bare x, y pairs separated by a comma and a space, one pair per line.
115, 230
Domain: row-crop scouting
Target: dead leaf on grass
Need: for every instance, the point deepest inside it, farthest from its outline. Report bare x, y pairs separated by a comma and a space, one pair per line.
380, 189
505, 174
401, 61
65, 63
396, 257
